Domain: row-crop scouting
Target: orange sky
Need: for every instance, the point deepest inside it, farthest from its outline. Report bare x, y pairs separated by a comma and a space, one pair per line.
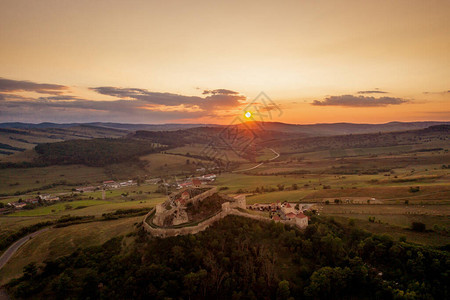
295, 51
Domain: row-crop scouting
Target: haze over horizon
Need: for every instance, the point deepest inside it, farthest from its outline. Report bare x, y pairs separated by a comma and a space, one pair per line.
155, 62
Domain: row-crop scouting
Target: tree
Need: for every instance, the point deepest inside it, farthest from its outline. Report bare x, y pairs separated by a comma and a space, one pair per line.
30, 270
414, 189
418, 226
283, 291
195, 283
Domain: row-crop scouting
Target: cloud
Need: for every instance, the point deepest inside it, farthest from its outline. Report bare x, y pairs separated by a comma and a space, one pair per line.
437, 93
147, 96
217, 99
132, 104
8, 85
58, 98
220, 91
372, 92
358, 101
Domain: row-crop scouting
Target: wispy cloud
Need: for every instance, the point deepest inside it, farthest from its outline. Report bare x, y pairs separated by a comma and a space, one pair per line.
358, 101
372, 92
437, 93
220, 98
220, 91
8, 85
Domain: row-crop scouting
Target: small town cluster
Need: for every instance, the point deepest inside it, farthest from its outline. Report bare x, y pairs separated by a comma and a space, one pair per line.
285, 211
106, 185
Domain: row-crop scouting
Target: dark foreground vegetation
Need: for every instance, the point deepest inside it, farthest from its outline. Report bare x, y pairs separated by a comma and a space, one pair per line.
239, 258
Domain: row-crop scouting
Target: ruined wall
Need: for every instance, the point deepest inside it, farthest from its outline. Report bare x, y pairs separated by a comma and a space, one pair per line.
166, 232
202, 196
228, 208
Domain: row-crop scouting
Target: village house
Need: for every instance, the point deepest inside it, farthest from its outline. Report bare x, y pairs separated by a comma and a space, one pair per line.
185, 184
127, 183
48, 197
185, 195
32, 201
290, 216
153, 181
111, 184
86, 189
287, 208
17, 205
210, 177
301, 220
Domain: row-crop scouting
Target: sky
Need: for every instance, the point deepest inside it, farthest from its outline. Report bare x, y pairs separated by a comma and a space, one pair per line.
199, 61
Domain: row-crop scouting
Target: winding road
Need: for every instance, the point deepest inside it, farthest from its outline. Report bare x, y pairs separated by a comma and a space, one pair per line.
14, 247
260, 164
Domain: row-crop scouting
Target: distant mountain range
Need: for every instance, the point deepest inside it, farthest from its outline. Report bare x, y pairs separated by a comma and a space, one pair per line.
123, 126
322, 129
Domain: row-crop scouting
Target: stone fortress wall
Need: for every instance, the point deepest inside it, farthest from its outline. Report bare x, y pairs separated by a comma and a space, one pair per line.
228, 208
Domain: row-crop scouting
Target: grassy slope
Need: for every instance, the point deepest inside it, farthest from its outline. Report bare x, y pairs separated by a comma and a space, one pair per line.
63, 241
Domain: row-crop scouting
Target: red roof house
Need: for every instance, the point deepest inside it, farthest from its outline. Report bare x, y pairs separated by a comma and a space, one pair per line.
290, 215
185, 195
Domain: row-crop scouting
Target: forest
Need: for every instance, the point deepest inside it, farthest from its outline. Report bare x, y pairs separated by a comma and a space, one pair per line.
238, 258
94, 152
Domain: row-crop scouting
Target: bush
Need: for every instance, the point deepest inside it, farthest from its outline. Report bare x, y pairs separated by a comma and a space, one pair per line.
418, 226
414, 189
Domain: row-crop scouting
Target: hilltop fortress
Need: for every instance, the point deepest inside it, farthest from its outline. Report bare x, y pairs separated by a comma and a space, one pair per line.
192, 210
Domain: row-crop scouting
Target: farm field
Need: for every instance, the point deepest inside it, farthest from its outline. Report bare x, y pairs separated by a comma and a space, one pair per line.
57, 242
199, 149
396, 232
162, 164
23, 179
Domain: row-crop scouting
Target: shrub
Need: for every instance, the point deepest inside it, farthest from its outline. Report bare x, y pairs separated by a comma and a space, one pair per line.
418, 226
414, 189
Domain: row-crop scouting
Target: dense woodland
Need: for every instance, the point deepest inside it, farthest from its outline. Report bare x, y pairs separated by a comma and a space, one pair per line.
94, 152
382, 139
238, 258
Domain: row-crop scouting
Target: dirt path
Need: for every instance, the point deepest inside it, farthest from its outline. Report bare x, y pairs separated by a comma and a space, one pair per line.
14, 247
260, 164
276, 154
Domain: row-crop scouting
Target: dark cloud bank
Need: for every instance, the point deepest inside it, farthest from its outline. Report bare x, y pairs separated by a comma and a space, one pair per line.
8, 85
131, 105
358, 101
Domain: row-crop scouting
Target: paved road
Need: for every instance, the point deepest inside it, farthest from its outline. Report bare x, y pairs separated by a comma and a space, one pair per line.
14, 247
260, 164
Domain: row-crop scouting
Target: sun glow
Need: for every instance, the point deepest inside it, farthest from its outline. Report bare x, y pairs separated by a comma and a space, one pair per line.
248, 115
